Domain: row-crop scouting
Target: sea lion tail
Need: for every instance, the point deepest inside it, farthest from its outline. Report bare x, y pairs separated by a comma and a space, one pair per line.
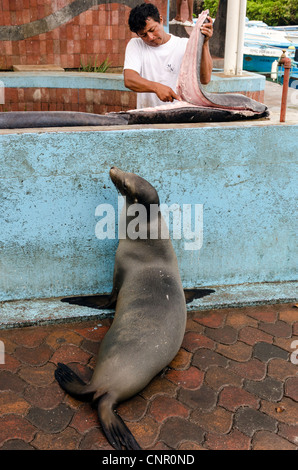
72, 383
115, 429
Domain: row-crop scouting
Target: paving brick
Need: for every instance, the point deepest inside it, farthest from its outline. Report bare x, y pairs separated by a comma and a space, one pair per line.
69, 353
193, 341
202, 399
163, 407
264, 313
235, 440
181, 361
67, 440
239, 351
62, 336
34, 356
133, 409
39, 376
288, 314
281, 369
16, 444
17, 427
289, 432
188, 445
30, 337
191, 378
94, 331
213, 319
44, 397
225, 335
11, 402
285, 411
94, 440
11, 363
192, 325
238, 319
279, 328
291, 388
266, 351
175, 431
269, 388
218, 377
252, 369
85, 418
10, 381
50, 421
252, 336
264, 440
295, 327
204, 358
219, 420
159, 385
249, 420
145, 431
232, 398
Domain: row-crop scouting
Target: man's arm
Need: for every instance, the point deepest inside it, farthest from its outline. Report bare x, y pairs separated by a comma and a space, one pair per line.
206, 59
135, 82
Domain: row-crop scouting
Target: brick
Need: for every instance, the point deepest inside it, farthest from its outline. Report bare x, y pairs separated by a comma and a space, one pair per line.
218, 421
69, 353
11, 363
289, 432
279, 328
291, 388
213, 319
45, 397
11, 402
67, 440
252, 369
288, 313
295, 328
204, 358
191, 378
281, 369
16, 426
240, 352
203, 398
237, 319
266, 313
133, 409
177, 430
10, 381
34, 356
95, 440
225, 335
249, 420
16, 444
30, 337
235, 440
50, 421
39, 376
269, 388
286, 411
232, 398
252, 336
61, 336
218, 377
85, 418
264, 440
193, 341
181, 361
265, 352
158, 385
164, 407
145, 431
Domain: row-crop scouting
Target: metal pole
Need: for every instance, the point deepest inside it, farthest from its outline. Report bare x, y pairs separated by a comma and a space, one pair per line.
286, 62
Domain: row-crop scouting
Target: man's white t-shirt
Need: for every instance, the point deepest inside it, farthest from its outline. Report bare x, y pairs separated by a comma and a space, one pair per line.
159, 64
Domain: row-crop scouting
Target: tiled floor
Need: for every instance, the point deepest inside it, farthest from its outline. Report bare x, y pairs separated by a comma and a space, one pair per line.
233, 385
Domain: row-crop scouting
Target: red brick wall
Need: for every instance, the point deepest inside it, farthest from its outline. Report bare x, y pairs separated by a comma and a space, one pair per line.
100, 31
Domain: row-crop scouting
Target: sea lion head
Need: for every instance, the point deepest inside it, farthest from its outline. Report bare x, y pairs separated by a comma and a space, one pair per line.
136, 189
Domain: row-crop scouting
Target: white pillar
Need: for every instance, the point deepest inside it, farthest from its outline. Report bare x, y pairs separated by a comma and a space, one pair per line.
233, 59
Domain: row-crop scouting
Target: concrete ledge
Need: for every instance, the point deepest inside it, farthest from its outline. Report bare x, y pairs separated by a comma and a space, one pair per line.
220, 83
45, 311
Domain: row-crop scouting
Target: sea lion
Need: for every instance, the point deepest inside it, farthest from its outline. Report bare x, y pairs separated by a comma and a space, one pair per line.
150, 315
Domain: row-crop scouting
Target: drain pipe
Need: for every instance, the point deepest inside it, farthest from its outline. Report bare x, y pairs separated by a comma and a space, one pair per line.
287, 63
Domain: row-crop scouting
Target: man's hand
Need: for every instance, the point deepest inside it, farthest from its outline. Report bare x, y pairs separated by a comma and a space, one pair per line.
165, 93
207, 29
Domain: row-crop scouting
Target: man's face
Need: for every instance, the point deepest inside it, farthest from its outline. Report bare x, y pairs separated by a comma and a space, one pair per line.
153, 34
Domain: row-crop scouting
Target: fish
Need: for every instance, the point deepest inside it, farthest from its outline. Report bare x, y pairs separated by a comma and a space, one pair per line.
196, 105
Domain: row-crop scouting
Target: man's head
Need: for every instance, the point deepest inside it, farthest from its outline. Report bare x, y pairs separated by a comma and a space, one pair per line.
147, 23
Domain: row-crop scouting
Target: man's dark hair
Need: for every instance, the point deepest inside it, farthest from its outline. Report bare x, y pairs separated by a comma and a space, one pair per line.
139, 15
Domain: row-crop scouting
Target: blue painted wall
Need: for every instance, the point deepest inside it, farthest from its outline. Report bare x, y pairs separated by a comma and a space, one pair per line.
52, 182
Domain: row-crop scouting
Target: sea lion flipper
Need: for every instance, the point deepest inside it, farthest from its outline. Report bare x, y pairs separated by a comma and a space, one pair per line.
72, 383
115, 429
100, 301
192, 294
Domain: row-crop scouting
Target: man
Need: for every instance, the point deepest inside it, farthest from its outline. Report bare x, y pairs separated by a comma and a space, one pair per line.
152, 61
